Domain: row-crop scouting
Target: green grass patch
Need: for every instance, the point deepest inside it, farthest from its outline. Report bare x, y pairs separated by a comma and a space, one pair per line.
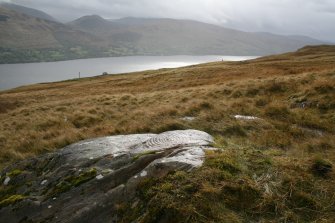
14, 173
12, 200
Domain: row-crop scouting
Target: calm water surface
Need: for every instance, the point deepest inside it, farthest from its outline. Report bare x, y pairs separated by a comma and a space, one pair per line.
14, 75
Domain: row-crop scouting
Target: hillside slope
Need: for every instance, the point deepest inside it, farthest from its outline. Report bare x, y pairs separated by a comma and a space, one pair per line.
25, 31
170, 36
28, 11
273, 119
29, 39
32, 36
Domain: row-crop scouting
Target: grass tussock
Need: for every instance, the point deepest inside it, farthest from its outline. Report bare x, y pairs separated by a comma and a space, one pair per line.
277, 168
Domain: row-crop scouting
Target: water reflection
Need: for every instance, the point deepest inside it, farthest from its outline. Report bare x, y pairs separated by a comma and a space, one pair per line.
14, 75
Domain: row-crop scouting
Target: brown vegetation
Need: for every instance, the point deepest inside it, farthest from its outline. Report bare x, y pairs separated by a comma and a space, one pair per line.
276, 168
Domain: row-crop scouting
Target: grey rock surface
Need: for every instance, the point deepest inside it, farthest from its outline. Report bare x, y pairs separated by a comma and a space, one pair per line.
83, 182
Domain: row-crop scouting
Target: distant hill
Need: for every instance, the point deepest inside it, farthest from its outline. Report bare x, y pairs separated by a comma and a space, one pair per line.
170, 36
30, 39
33, 36
23, 31
28, 11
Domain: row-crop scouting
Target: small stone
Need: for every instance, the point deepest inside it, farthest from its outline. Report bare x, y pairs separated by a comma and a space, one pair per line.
91, 158
99, 177
44, 182
49, 206
6, 181
243, 117
188, 118
144, 173
54, 198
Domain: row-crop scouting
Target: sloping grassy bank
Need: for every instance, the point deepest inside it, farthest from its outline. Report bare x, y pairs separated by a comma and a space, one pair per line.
277, 167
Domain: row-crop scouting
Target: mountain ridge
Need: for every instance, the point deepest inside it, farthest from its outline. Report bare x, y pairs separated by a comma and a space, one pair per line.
28, 11
190, 36
31, 39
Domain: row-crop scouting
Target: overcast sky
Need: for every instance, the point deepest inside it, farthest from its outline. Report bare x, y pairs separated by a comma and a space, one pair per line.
315, 18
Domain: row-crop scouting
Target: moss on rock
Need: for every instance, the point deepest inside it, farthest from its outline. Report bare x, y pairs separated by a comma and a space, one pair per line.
12, 200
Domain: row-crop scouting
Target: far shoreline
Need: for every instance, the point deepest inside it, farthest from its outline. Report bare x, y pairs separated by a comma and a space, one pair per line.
16, 75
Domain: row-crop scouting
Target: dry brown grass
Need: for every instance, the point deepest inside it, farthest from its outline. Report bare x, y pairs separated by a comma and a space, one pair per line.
293, 94
45, 117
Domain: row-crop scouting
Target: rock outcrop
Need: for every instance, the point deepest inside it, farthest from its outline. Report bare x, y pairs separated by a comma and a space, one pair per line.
84, 182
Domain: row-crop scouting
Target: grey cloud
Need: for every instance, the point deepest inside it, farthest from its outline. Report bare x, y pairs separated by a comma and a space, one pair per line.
315, 18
